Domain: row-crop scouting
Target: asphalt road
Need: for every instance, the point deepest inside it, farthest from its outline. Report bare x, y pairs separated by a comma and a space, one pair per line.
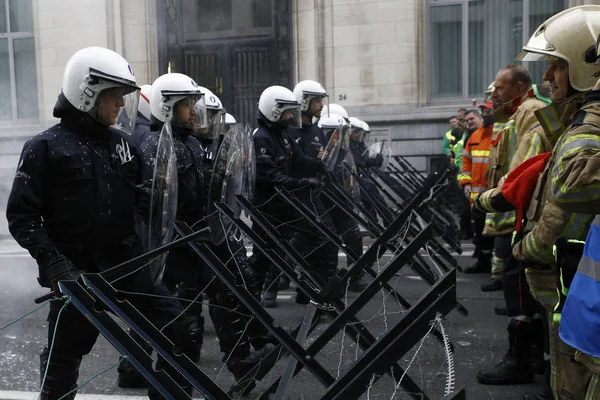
480, 340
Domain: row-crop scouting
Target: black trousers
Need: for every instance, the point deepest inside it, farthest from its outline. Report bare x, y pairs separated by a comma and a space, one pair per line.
484, 245
521, 306
314, 247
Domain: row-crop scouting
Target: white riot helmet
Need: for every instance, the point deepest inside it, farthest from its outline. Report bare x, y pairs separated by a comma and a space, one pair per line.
210, 111
230, 119
366, 132
356, 129
570, 35
144, 105
274, 102
170, 89
306, 91
336, 109
94, 70
329, 124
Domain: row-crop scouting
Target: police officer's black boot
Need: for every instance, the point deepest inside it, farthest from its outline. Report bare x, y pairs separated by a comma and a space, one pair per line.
60, 376
240, 369
515, 368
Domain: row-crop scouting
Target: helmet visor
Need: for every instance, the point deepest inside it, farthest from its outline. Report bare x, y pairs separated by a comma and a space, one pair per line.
535, 56
318, 106
184, 112
201, 120
216, 123
291, 116
117, 107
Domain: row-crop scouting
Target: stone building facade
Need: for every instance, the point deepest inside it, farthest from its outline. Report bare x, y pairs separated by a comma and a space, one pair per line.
404, 66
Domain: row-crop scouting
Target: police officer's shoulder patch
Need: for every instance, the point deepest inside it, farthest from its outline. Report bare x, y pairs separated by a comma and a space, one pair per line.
263, 150
316, 138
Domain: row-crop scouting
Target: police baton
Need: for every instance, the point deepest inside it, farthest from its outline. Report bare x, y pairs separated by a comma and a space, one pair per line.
129, 266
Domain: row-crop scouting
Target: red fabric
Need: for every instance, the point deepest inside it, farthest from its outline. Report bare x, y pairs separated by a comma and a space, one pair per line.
520, 183
497, 140
488, 104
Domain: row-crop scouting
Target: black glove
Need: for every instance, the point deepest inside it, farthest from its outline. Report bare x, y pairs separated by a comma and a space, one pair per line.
378, 160
143, 197
61, 269
312, 182
329, 177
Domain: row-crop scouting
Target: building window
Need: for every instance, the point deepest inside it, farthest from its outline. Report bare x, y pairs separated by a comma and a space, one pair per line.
18, 79
469, 40
209, 19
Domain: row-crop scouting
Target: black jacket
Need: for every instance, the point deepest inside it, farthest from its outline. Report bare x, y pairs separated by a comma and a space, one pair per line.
310, 138
142, 130
190, 171
278, 161
358, 148
73, 193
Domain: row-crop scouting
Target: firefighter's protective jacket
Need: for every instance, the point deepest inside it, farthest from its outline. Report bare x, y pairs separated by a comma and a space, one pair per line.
546, 221
512, 143
475, 161
575, 187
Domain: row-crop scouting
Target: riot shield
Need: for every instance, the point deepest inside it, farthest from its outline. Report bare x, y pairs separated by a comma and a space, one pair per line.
350, 183
379, 148
333, 148
250, 163
228, 179
163, 203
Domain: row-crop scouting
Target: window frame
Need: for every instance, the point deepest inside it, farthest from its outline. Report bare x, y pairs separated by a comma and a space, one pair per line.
231, 34
465, 47
11, 36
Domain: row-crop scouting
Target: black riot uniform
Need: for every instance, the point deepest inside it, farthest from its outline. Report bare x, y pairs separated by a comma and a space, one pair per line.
188, 276
142, 129
183, 265
277, 157
231, 319
310, 139
346, 226
358, 148
72, 207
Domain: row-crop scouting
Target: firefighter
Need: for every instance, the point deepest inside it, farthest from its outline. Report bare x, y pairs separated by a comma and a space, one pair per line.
571, 73
473, 181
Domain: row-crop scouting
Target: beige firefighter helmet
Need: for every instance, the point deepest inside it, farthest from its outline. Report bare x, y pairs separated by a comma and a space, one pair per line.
570, 35
488, 92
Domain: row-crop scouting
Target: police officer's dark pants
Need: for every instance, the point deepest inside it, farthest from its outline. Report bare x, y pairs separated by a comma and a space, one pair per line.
75, 336
522, 308
484, 245
347, 228
233, 322
318, 251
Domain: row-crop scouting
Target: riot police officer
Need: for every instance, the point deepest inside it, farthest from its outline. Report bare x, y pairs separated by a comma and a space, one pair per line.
312, 142
237, 333
345, 226
277, 157
72, 206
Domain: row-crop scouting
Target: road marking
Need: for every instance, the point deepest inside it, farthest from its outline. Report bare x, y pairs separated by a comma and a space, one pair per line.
17, 395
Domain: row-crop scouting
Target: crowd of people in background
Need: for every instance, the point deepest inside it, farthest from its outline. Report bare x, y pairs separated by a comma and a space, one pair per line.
526, 164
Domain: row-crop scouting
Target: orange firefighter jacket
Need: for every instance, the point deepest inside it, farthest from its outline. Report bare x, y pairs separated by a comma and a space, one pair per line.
475, 161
